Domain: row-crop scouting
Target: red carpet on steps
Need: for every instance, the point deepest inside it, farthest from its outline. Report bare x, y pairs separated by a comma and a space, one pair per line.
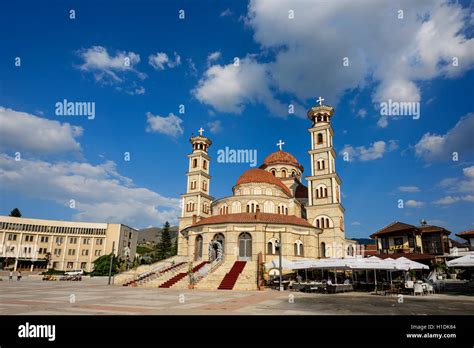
230, 278
170, 282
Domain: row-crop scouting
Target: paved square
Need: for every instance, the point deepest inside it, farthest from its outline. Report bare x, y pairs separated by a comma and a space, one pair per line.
93, 296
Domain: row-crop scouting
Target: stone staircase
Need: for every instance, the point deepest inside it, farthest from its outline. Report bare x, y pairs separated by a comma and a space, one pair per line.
165, 275
212, 280
247, 279
143, 272
231, 277
181, 279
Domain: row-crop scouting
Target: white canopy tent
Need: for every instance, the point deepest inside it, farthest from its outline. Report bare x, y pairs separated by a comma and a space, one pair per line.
463, 261
406, 264
285, 264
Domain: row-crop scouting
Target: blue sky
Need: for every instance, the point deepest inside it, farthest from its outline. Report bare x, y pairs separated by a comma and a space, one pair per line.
189, 62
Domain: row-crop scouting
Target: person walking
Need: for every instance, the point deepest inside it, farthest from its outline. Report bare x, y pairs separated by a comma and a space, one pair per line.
18, 276
10, 275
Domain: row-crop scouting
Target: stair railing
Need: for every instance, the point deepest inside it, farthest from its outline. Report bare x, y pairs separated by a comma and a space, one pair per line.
208, 268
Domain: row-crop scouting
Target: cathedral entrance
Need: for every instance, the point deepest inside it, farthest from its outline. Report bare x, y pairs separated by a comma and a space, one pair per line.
245, 247
216, 247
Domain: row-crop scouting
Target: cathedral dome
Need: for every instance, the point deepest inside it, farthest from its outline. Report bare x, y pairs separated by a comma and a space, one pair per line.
261, 176
281, 157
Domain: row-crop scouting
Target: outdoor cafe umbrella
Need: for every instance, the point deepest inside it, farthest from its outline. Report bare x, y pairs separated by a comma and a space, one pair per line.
463, 261
402, 263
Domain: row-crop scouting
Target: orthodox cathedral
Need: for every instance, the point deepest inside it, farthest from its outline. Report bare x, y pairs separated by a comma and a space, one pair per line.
270, 207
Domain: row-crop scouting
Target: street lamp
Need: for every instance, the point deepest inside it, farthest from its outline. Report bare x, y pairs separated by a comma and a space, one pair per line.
280, 268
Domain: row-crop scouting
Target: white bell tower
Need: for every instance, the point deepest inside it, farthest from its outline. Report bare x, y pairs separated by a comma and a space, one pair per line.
324, 208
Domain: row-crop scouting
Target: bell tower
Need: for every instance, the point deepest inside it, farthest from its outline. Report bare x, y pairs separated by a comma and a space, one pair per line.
324, 208
196, 202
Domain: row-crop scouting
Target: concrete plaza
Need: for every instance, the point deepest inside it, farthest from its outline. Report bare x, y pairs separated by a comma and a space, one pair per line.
32, 296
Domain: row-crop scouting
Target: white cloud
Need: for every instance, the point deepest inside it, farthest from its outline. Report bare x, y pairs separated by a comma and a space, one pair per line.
382, 122
192, 67
394, 55
375, 151
215, 126
212, 57
411, 203
362, 113
355, 223
101, 194
448, 200
410, 189
228, 88
227, 12
21, 131
433, 147
170, 125
160, 61
107, 68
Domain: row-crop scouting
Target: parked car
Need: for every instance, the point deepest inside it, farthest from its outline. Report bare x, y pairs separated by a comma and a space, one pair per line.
75, 272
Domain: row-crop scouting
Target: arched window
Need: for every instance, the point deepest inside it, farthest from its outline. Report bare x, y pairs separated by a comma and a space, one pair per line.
190, 206
273, 172
205, 208
204, 164
236, 207
193, 184
198, 248
323, 249
252, 207
245, 247
283, 173
269, 248
321, 164
269, 207
224, 210
272, 246
204, 185
195, 163
320, 138
350, 250
298, 248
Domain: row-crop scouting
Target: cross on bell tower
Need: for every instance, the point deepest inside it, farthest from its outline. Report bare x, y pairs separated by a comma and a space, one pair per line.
280, 145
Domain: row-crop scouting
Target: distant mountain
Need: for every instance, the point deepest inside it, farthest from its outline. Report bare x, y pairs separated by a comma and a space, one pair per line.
364, 241
153, 234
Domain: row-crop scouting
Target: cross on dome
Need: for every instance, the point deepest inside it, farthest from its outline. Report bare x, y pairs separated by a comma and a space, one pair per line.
320, 101
280, 144
200, 131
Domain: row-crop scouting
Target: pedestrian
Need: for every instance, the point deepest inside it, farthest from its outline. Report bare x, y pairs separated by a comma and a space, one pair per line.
10, 275
18, 276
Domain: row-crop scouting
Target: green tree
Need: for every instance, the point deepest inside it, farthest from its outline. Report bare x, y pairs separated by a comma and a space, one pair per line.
15, 213
175, 247
102, 265
164, 246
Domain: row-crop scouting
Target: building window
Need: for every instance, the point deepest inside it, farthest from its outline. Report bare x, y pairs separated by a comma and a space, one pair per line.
204, 164
321, 164
83, 265
59, 240
44, 239
283, 173
195, 163
86, 241
323, 249
71, 252
193, 184
320, 138
273, 172
98, 252
252, 207
224, 210
12, 236
204, 185
298, 248
190, 206
73, 240
70, 265
99, 241
205, 208
57, 252
85, 252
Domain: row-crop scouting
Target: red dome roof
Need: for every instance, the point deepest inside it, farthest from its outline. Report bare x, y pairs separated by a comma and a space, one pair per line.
261, 176
281, 157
